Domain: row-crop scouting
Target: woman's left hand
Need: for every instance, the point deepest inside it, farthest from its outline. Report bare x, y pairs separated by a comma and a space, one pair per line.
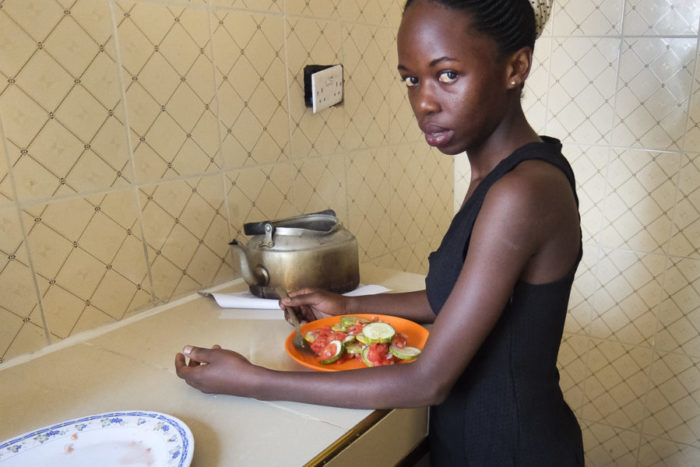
214, 370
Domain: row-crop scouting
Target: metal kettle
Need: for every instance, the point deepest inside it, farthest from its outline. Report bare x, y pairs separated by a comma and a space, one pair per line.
310, 250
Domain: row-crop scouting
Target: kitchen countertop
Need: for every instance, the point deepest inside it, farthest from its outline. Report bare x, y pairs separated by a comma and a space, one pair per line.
130, 366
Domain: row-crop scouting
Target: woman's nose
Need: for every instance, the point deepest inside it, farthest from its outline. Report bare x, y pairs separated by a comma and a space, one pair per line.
426, 101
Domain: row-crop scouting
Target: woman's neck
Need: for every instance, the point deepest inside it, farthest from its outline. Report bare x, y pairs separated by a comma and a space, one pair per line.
512, 133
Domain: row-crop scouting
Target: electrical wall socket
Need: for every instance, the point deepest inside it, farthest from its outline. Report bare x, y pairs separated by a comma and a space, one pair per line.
326, 88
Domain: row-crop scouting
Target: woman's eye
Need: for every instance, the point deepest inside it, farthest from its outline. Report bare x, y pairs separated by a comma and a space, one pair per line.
447, 76
410, 81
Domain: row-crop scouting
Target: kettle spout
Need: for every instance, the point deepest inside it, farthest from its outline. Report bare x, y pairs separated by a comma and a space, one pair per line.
246, 272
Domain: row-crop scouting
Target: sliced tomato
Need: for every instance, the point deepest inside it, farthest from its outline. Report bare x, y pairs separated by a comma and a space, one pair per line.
400, 340
355, 329
338, 335
377, 354
329, 351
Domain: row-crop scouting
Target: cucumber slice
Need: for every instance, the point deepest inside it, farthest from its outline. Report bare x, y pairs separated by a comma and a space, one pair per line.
311, 336
379, 332
349, 338
365, 360
407, 353
338, 327
336, 355
354, 348
361, 338
365, 350
346, 321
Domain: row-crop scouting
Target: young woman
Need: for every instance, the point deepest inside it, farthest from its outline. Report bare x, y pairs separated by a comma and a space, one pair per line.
498, 286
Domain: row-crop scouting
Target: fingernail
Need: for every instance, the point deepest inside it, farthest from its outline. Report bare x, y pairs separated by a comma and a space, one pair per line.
187, 350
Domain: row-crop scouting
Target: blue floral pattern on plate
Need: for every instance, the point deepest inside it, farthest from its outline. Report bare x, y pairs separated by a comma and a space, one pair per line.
172, 434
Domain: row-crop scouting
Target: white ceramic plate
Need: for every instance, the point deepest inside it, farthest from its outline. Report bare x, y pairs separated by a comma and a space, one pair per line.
132, 438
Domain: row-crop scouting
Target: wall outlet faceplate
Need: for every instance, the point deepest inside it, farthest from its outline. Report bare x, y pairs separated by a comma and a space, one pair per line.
326, 87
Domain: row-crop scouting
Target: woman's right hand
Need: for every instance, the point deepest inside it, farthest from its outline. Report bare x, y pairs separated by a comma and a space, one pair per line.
314, 304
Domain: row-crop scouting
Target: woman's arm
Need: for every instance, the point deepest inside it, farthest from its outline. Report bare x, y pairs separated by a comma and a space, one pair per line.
316, 304
516, 221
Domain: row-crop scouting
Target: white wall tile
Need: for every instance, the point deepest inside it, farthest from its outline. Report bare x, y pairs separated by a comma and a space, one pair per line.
653, 92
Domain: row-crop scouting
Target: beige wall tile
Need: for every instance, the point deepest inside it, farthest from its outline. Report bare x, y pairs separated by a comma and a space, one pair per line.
616, 384
692, 137
587, 17
639, 200
653, 92
411, 258
275, 6
654, 18
630, 289
76, 249
685, 240
170, 95
679, 313
365, 11
421, 200
606, 445
258, 194
186, 232
367, 80
19, 301
320, 184
315, 8
63, 75
6, 188
28, 339
250, 74
656, 451
369, 195
311, 42
580, 96
672, 402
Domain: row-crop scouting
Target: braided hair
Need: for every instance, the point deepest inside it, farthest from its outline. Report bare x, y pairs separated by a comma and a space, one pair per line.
511, 23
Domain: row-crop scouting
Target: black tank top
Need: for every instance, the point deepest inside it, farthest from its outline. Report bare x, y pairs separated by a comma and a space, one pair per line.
507, 408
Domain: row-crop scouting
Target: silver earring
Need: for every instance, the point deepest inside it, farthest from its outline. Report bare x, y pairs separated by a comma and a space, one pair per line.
513, 82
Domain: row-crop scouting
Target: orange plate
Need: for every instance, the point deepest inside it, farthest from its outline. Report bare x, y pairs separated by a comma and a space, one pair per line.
415, 333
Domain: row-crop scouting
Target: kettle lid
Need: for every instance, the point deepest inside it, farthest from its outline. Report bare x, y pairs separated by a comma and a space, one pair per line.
322, 222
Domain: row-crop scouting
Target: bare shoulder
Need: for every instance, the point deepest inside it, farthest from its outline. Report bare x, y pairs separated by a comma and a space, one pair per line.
535, 186
533, 208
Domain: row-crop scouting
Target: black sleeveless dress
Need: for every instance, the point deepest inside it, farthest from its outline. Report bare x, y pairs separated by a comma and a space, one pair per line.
507, 408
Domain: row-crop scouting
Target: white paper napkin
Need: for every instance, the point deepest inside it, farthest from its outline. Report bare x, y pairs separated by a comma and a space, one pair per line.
265, 308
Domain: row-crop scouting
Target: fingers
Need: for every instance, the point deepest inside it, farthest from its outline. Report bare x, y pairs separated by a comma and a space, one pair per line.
198, 357
299, 297
304, 291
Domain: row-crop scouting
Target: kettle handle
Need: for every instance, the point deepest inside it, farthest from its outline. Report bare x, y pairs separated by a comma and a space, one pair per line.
258, 228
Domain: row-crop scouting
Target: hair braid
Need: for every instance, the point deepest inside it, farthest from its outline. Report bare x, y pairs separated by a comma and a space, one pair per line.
511, 23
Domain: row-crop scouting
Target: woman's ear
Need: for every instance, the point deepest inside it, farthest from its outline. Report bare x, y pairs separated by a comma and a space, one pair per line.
518, 68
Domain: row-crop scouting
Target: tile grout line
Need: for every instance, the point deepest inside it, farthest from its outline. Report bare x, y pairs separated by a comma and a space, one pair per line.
219, 122
127, 126
25, 242
84, 336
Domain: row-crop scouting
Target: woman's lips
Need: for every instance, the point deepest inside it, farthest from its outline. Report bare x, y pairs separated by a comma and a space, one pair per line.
437, 136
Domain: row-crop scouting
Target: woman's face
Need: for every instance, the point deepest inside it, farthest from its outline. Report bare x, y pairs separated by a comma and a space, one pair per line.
456, 85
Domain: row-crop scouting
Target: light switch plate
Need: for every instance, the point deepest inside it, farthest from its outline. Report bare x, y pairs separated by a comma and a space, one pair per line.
326, 88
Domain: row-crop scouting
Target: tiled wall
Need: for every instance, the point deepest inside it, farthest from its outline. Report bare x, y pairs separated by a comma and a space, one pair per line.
619, 82
138, 137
